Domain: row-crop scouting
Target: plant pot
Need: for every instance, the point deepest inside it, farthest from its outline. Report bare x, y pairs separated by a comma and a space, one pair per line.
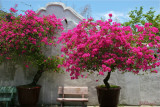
28, 95
108, 97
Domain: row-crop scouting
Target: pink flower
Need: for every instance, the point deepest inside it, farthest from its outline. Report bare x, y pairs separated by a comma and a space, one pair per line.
82, 76
26, 66
13, 10
108, 69
101, 73
23, 51
86, 76
58, 66
140, 54
16, 5
109, 20
110, 61
129, 61
150, 44
62, 55
110, 15
8, 58
50, 44
154, 71
34, 42
85, 55
45, 40
35, 30
136, 72
22, 34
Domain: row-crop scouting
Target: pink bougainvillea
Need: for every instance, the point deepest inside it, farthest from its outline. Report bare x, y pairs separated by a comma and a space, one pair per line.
104, 46
25, 35
110, 15
13, 10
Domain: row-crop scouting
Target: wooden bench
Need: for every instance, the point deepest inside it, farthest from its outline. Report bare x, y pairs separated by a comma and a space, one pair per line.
82, 91
6, 94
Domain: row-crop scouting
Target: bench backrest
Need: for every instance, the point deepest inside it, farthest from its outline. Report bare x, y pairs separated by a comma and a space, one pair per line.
73, 91
7, 89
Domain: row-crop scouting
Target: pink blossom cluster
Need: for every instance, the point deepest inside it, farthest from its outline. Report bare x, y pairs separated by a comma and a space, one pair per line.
13, 10
26, 34
104, 46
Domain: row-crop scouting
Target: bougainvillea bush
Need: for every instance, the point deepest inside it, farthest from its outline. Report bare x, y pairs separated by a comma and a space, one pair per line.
104, 46
24, 38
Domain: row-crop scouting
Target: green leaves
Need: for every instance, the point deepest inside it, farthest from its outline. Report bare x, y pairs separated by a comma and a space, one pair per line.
140, 18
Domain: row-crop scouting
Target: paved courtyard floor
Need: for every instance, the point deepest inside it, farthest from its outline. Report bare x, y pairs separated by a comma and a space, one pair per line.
93, 106
98, 106
81, 106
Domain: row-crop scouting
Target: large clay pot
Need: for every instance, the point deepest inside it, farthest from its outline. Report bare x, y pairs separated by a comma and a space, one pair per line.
28, 95
108, 97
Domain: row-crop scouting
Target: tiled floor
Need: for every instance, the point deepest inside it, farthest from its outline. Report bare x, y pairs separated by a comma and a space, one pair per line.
80, 106
98, 106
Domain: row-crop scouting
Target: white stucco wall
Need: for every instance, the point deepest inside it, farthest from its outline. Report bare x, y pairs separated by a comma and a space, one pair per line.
136, 89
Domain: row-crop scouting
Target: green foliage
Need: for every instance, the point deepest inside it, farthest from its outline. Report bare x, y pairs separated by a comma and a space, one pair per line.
51, 63
112, 86
140, 18
2, 14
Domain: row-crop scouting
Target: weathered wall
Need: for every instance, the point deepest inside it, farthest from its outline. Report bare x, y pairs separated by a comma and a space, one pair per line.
136, 89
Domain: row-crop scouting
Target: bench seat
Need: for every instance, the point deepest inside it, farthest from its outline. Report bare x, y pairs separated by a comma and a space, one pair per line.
72, 99
78, 91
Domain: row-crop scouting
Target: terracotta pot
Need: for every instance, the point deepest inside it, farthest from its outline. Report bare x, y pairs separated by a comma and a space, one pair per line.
108, 97
28, 95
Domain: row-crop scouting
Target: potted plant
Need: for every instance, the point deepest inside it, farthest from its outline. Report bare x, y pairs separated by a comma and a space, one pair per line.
24, 39
106, 46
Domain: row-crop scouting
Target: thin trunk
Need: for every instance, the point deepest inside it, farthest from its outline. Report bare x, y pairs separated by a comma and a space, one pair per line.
106, 80
36, 78
37, 75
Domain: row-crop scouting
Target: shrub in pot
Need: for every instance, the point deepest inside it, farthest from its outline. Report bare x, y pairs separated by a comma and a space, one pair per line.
24, 40
106, 46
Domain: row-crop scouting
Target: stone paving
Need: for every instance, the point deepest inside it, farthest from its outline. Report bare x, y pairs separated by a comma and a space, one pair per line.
2, 105
81, 106
95, 106
98, 106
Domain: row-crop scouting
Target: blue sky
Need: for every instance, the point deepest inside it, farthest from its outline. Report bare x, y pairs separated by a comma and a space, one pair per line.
99, 8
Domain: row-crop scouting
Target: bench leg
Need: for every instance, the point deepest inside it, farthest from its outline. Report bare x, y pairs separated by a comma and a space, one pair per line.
62, 103
7, 104
83, 104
